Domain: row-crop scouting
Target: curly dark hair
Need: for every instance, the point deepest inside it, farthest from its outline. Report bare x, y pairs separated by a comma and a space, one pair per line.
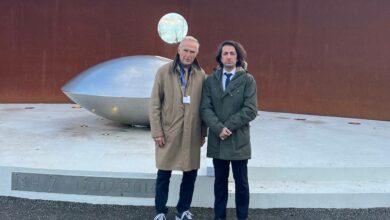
241, 53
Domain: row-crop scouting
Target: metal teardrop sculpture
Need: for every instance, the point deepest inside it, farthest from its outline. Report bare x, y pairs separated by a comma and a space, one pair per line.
118, 89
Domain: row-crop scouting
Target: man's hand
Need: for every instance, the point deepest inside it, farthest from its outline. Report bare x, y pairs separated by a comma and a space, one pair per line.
160, 141
225, 133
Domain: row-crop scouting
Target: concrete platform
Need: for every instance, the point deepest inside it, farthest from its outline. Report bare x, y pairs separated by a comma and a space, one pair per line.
301, 161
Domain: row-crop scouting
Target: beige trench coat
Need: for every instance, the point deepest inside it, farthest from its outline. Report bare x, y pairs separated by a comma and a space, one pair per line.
179, 123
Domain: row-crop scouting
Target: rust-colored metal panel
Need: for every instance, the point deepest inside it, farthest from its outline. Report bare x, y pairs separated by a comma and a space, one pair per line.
316, 57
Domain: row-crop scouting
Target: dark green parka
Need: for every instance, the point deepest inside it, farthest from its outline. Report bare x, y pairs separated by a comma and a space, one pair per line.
233, 108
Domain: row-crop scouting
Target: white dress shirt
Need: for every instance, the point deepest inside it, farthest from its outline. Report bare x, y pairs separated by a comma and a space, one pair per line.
224, 76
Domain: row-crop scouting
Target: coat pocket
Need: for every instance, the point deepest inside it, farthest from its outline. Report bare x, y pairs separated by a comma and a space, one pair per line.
241, 139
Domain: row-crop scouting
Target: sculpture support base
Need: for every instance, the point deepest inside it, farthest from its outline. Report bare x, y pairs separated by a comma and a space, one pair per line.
298, 160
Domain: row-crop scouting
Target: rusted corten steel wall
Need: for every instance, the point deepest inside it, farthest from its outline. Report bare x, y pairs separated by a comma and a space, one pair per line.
315, 57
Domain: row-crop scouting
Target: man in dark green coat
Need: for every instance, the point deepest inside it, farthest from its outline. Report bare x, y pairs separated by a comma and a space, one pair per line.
229, 103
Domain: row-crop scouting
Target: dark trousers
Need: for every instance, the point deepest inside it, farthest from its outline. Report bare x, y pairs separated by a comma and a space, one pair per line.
240, 174
186, 190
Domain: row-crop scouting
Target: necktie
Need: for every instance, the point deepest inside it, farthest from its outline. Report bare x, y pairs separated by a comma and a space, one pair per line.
185, 75
228, 75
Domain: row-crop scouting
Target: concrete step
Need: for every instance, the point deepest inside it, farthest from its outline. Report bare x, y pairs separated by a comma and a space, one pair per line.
319, 173
318, 194
44, 184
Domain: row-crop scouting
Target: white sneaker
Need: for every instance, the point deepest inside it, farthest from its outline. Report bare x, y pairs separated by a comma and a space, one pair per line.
160, 216
184, 216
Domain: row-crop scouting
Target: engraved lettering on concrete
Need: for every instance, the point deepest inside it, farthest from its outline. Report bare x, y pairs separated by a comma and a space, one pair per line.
102, 186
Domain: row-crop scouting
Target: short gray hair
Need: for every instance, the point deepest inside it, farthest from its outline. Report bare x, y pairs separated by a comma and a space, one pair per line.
190, 38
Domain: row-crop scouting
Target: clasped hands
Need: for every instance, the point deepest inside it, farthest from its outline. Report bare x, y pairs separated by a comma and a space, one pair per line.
225, 133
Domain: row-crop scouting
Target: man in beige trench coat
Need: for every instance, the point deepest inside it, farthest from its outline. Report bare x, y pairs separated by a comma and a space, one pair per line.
176, 126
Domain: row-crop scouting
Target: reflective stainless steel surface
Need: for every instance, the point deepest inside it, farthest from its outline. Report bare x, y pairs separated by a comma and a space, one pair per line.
117, 89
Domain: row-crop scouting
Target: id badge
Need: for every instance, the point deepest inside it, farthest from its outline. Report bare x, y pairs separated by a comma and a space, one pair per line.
186, 100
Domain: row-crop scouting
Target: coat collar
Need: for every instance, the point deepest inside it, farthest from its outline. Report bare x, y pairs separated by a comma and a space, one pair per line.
239, 72
194, 66
237, 80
